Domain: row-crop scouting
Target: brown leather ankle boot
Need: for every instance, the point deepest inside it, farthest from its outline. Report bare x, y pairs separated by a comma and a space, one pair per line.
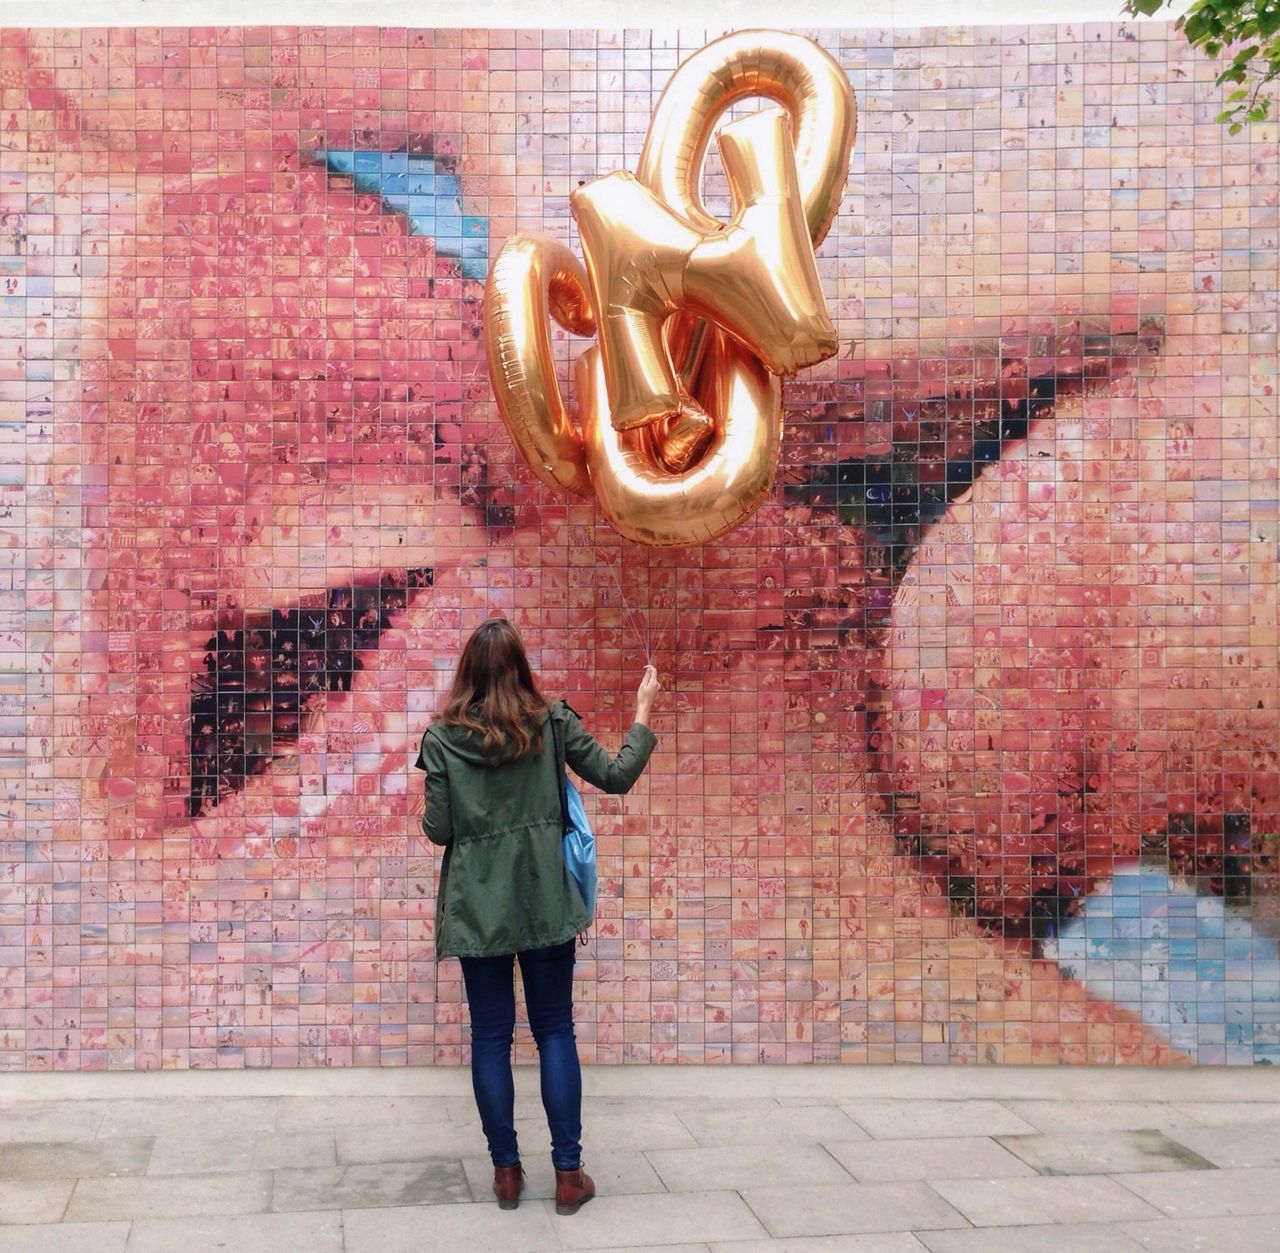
574, 1188
508, 1183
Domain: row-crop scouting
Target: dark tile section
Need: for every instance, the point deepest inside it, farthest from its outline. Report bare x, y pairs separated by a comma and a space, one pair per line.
265, 672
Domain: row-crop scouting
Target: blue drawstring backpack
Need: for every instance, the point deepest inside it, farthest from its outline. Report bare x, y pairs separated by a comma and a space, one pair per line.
579, 843
579, 847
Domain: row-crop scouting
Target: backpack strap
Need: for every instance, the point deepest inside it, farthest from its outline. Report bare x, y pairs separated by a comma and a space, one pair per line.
558, 762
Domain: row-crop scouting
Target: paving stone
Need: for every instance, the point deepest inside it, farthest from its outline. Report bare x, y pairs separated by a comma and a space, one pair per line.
49, 1121
675, 1248
616, 1174
635, 1126
692, 1101
450, 1228
1258, 1145
194, 1116
1255, 1234
745, 1166
34, 1200
248, 1233
1100, 1115
65, 1238
620, 1124
1103, 1152
1030, 1202
1053, 1238
425, 1161
850, 1208
169, 1196
78, 1159
371, 1185
1202, 1194
299, 1113
896, 1242
958, 1157
1230, 1113
246, 1150
922, 1120
364, 1145
799, 1102
766, 1122
461, 1139
610, 1222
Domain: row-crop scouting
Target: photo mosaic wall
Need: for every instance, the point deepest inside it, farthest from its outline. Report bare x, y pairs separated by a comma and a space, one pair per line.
969, 749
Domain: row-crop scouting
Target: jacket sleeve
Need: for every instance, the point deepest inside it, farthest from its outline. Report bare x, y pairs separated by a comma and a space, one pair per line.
616, 775
437, 821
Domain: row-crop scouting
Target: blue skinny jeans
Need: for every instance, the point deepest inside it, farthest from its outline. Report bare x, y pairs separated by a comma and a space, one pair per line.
548, 991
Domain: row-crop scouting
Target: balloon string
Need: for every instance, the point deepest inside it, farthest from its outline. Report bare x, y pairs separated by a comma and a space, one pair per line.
665, 623
653, 635
630, 617
666, 620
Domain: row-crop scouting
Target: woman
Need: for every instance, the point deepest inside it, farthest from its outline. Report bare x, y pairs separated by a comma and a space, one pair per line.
493, 802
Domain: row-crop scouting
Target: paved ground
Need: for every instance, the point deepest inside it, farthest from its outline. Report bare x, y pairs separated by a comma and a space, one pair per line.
871, 1174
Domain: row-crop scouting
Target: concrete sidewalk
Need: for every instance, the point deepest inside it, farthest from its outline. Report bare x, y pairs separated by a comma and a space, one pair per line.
369, 1161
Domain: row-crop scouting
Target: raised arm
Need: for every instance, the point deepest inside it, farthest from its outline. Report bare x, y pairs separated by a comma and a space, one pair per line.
614, 774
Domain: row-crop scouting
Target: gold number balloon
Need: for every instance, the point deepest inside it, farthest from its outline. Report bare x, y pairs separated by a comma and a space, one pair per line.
680, 403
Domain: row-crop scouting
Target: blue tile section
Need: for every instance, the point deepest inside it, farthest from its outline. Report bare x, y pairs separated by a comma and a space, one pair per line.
1192, 966
432, 201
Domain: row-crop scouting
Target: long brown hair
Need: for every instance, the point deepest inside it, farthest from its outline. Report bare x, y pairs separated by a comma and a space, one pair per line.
494, 693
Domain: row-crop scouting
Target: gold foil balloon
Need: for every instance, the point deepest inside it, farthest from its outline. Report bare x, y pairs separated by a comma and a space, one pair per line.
756, 278
645, 502
786, 68
535, 279
680, 403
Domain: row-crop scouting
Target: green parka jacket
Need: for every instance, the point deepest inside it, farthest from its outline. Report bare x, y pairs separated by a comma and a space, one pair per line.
503, 883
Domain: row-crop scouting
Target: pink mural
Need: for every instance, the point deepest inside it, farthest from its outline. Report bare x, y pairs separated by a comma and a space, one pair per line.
968, 751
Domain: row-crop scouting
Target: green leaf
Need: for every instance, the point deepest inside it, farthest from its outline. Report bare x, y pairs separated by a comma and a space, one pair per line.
1250, 32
